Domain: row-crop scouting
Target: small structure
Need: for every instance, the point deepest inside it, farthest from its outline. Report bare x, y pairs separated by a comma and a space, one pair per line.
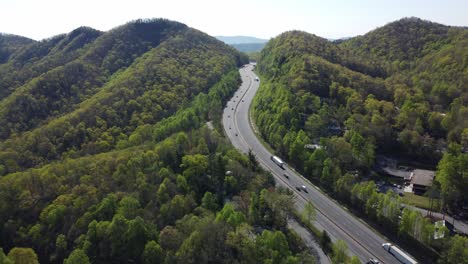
421, 179
312, 146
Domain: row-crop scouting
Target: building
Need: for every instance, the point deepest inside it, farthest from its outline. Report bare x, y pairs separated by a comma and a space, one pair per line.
421, 180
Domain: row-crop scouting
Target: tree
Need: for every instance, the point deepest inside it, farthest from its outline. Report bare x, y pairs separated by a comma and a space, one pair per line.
308, 214
355, 260
456, 251
273, 246
117, 231
23, 256
77, 256
170, 238
362, 149
451, 174
136, 237
195, 169
153, 253
60, 245
340, 250
230, 216
209, 201
128, 207
297, 152
325, 241
253, 162
4, 259
327, 178
163, 194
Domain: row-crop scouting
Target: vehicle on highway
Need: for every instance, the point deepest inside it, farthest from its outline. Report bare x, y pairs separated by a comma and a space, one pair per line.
399, 254
373, 261
256, 79
286, 176
278, 161
304, 188
298, 188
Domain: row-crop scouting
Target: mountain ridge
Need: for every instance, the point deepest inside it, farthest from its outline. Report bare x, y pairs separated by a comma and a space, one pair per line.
240, 39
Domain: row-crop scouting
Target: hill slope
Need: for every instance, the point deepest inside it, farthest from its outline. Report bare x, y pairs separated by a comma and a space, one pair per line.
399, 90
124, 79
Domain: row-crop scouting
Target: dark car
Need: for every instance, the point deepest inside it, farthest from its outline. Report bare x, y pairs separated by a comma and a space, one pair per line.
286, 176
298, 188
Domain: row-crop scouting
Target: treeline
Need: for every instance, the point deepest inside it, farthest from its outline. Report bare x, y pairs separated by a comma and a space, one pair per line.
318, 94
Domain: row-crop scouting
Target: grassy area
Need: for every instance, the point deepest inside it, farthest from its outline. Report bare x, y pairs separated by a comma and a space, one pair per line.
421, 201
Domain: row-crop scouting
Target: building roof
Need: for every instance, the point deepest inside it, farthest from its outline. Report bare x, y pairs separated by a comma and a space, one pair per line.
422, 177
395, 172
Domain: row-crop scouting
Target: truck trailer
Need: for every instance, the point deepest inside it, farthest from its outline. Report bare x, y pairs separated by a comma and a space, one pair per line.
399, 254
278, 161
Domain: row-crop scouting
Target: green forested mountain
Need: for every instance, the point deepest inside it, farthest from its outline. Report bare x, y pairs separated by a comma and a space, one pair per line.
105, 156
399, 90
125, 78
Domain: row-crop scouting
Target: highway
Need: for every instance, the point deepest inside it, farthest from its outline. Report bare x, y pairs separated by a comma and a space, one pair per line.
362, 241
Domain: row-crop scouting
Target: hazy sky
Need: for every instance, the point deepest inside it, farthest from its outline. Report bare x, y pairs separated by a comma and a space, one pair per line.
40, 19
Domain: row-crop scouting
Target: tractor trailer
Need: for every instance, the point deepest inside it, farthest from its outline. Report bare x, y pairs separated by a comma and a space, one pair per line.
399, 254
278, 161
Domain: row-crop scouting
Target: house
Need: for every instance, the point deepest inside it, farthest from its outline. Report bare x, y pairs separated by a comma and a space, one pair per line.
421, 180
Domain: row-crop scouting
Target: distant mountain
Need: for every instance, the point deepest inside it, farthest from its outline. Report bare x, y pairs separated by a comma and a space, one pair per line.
249, 47
240, 39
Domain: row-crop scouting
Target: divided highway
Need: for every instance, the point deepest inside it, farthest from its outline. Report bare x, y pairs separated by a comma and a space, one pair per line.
340, 224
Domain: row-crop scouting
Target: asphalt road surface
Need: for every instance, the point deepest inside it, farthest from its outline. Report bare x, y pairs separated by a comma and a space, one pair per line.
339, 223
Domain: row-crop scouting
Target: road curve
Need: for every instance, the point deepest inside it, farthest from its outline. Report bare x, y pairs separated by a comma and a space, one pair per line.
362, 241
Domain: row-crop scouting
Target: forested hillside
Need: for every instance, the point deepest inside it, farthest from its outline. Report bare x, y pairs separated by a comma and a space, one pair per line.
399, 90
105, 156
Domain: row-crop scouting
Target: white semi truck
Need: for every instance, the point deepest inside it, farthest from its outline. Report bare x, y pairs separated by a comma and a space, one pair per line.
399, 254
278, 161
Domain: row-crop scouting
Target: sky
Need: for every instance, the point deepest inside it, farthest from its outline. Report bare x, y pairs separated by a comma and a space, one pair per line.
39, 19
